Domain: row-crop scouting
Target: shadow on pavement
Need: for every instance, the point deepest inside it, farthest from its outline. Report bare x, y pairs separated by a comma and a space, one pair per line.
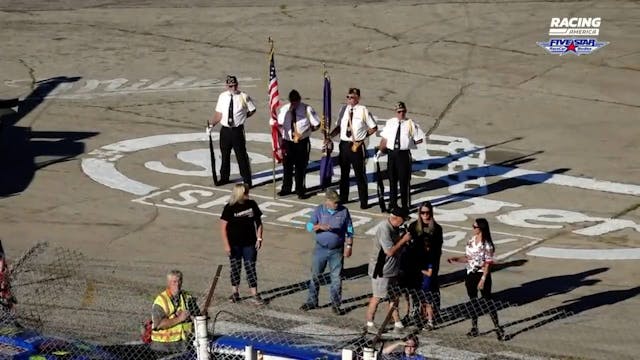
24, 151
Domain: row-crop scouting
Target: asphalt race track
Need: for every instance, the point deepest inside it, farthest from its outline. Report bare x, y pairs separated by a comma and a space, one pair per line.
104, 150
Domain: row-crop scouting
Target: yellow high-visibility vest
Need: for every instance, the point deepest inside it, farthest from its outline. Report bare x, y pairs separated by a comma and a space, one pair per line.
178, 332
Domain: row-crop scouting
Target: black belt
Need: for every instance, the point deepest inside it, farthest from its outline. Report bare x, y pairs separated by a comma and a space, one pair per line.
299, 140
234, 127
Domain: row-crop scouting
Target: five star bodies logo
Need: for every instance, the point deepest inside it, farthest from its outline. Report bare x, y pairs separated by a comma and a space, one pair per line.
584, 27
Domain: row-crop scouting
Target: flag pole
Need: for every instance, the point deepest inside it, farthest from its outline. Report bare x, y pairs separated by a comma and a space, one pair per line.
273, 158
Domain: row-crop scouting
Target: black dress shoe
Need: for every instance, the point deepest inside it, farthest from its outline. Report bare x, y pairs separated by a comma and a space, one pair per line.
303, 196
473, 332
500, 334
284, 192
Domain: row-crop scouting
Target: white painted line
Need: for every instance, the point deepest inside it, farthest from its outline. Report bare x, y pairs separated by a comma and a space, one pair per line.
494, 232
141, 91
104, 172
527, 246
519, 356
587, 254
229, 327
565, 180
315, 329
289, 316
504, 241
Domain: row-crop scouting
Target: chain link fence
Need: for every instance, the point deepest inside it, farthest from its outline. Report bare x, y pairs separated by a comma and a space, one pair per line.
61, 297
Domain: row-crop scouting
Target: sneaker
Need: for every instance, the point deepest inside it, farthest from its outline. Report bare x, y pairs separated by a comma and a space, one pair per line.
372, 329
234, 298
473, 332
308, 306
256, 300
336, 309
398, 329
430, 325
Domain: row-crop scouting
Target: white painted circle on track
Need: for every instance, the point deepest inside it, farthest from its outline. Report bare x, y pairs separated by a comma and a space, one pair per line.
100, 165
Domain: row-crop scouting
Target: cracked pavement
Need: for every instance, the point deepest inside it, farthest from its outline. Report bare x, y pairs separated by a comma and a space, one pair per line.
465, 69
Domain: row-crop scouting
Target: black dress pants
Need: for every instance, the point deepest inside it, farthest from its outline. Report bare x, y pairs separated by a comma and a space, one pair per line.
399, 174
296, 160
233, 138
350, 159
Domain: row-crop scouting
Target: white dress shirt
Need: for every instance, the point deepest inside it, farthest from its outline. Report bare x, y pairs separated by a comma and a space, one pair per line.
242, 104
306, 118
410, 133
361, 122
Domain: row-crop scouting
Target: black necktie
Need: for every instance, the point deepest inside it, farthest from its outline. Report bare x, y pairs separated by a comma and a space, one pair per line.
293, 122
350, 123
396, 144
230, 120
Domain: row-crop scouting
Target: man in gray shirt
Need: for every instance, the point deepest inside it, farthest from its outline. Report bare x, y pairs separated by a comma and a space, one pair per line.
384, 265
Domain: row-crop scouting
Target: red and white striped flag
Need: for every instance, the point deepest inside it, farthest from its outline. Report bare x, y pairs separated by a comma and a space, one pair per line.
274, 104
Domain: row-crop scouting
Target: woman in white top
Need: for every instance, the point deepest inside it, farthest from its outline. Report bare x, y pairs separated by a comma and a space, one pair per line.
478, 259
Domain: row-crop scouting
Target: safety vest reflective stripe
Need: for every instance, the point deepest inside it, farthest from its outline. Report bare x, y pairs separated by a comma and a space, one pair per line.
175, 333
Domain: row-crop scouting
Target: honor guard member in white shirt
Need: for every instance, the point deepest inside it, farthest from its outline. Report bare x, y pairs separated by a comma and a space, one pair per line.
297, 120
354, 126
232, 110
399, 136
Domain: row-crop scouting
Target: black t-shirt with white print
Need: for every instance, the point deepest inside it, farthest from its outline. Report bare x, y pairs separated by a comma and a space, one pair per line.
242, 219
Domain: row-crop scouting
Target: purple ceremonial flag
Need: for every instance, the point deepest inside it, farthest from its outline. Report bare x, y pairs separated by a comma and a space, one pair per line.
326, 163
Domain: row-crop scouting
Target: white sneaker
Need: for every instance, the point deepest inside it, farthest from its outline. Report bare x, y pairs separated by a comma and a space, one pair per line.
398, 329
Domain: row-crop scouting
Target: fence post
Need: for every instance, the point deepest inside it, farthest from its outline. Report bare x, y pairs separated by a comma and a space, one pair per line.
249, 354
347, 354
201, 341
369, 354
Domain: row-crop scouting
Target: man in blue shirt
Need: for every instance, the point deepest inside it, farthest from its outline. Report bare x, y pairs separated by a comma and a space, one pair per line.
333, 229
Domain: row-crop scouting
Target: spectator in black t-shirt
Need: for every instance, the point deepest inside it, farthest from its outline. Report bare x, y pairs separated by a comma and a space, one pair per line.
241, 229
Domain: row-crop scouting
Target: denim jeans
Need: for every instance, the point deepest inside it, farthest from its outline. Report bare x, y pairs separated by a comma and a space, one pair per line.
248, 255
321, 258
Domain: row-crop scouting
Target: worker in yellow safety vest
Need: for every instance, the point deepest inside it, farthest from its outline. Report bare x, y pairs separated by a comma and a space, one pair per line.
171, 316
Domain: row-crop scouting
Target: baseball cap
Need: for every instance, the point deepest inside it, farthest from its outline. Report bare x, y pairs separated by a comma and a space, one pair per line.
400, 212
231, 80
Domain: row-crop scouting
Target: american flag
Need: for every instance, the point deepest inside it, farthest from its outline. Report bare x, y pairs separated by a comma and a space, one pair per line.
274, 104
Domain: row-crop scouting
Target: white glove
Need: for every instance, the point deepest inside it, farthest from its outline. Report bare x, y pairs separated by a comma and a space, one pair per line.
207, 131
376, 157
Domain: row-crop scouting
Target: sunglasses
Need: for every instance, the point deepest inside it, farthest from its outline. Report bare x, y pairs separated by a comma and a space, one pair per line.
475, 226
410, 346
425, 212
350, 97
401, 111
